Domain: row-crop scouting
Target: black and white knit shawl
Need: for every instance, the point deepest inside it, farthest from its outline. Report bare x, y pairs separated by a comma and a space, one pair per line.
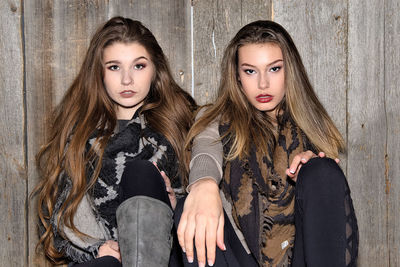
134, 141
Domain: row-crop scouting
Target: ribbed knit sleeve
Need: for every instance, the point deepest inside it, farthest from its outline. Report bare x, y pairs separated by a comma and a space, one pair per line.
207, 154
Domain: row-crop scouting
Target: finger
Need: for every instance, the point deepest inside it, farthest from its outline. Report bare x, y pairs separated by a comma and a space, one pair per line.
337, 160
116, 255
220, 232
295, 163
321, 154
181, 231
211, 239
166, 179
155, 164
200, 240
114, 245
189, 236
306, 156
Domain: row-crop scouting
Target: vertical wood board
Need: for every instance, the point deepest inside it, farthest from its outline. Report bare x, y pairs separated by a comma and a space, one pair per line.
13, 233
367, 129
392, 100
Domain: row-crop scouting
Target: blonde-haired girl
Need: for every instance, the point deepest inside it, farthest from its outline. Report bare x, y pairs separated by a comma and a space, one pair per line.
266, 123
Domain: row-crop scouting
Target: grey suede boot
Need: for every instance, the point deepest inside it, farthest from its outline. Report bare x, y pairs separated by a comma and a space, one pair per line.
144, 232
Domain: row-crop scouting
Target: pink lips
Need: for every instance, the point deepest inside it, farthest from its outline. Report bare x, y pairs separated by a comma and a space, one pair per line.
127, 93
264, 98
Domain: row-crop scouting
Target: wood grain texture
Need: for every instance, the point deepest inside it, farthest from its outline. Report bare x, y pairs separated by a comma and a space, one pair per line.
318, 29
368, 129
214, 24
13, 232
392, 112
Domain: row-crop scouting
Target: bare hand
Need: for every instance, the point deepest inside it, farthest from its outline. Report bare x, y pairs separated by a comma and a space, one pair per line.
110, 248
203, 220
301, 159
168, 188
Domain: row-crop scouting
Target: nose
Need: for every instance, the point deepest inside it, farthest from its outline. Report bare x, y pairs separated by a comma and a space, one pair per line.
263, 81
127, 78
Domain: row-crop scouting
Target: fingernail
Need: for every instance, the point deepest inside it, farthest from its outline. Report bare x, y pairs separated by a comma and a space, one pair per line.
224, 247
303, 159
201, 264
184, 250
210, 263
190, 259
292, 171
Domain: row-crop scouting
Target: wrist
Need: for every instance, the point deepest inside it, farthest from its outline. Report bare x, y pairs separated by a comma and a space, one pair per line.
203, 182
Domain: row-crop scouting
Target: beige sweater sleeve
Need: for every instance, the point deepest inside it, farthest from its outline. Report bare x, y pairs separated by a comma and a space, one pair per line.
207, 154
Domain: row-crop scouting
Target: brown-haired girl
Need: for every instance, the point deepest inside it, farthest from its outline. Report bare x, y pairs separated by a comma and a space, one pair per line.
265, 124
101, 198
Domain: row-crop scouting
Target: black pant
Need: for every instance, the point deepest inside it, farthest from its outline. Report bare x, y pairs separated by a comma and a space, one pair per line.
140, 178
326, 226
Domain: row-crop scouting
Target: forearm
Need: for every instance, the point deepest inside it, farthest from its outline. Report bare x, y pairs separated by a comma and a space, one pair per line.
207, 155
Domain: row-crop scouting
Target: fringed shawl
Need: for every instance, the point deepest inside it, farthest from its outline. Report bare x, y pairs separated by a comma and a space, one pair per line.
262, 196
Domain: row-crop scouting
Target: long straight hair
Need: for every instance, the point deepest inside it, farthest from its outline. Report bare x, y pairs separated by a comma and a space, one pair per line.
86, 108
250, 126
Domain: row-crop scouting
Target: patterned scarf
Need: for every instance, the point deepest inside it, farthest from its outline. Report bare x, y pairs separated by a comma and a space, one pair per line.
262, 196
134, 141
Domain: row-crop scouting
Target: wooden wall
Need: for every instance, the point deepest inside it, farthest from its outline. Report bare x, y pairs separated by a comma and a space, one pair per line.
350, 49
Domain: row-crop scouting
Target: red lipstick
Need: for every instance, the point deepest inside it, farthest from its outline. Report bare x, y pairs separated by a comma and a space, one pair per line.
264, 98
127, 93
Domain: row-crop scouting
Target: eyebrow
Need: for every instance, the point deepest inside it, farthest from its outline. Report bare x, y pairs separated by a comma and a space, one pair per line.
272, 63
117, 61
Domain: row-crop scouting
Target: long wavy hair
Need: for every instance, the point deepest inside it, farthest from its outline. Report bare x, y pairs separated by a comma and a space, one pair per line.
86, 108
249, 126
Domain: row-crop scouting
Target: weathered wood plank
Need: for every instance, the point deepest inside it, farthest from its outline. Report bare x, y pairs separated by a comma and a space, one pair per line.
13, 232
392, 99
367, 129
253, 10
318, 29
214, 25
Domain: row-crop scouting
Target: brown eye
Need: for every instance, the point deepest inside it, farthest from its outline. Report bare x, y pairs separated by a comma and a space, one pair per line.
113, 67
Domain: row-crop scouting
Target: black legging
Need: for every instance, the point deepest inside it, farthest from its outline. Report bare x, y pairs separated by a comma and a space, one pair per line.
140, 178
326, 226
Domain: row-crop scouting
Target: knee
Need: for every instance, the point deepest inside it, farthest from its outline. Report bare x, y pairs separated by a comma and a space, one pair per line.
141, 176
140, 167
321, 174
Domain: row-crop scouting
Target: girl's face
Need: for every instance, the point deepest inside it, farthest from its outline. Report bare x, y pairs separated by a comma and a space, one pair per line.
128, 73
261, 74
